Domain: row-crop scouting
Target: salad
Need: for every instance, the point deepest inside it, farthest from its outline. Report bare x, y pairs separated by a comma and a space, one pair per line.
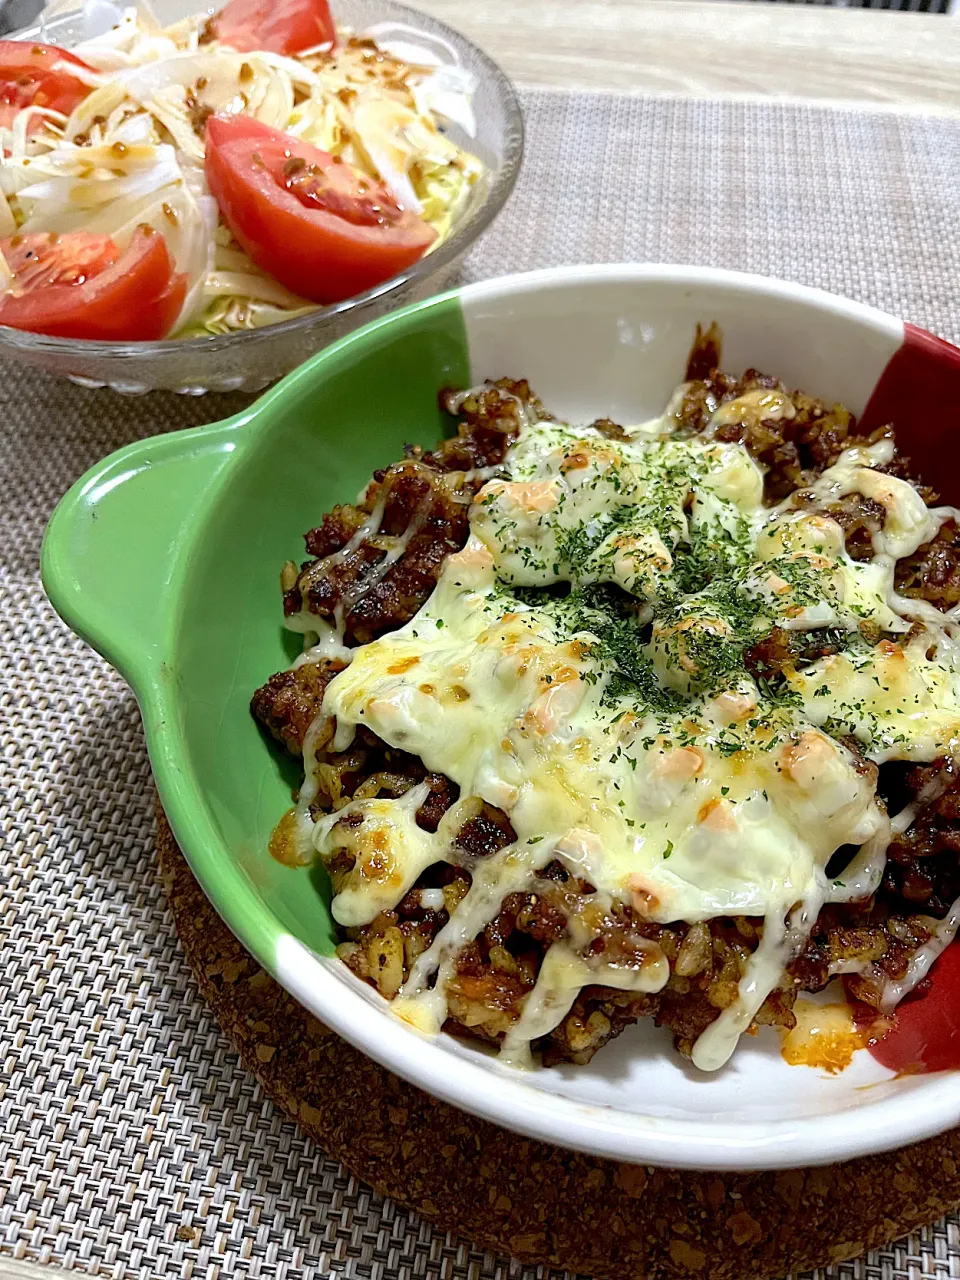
222, 173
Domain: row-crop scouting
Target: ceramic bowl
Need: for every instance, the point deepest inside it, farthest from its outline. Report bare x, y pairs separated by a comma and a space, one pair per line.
165, 557
252, 358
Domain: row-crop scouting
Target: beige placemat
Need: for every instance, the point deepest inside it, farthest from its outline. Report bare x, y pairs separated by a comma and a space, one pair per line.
131, 1142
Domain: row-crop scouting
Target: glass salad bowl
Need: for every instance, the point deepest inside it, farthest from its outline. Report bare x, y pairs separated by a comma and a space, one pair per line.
249, 359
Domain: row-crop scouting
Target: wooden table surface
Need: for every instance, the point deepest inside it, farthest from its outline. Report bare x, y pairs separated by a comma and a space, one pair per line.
709, 48
702, 48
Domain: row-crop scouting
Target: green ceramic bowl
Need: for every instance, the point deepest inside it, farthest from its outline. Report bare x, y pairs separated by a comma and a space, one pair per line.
166, 559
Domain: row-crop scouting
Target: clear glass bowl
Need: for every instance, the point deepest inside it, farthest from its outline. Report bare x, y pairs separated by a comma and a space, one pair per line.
249, 360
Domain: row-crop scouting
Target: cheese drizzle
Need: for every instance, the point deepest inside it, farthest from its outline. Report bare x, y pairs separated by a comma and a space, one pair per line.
581, 666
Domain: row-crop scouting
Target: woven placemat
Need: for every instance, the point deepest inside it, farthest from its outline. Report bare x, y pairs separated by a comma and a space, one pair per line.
132, 1142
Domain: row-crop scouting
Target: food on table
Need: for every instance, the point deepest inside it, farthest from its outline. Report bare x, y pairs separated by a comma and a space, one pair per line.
273, 163
603, 722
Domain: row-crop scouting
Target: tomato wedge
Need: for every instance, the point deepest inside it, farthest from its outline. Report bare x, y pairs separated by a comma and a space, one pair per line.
82, 286
28, 78
282, 26
311, 221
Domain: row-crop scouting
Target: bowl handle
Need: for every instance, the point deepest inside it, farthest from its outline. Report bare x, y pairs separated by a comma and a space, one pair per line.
117, 540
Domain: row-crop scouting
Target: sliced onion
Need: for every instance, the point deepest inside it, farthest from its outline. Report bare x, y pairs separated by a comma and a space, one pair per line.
193, 244
102, 102
8, 223
422, 48
449, 93
380, 126
251, 284
63, 203
298, 73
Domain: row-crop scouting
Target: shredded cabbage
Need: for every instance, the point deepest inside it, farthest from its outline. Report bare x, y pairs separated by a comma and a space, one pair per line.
132, 151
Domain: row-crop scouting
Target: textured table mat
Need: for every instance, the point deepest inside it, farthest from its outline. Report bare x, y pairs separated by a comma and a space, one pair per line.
131, 1142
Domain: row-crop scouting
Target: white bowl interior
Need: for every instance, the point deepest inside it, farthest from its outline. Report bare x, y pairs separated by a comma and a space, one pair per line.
595, 340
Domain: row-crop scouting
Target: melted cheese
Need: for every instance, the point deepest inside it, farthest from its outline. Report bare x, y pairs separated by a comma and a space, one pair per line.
618, 725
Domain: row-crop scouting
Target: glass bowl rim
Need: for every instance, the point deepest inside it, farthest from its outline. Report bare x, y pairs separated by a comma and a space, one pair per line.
456, 244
